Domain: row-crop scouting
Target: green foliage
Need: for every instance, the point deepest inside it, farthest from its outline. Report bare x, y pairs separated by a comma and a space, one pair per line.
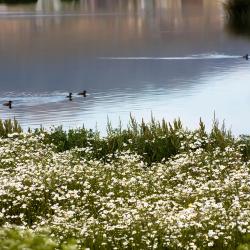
243, 247
244, 141
153, 141
9, 127
18, 239
245, 243
65, 140
15, 240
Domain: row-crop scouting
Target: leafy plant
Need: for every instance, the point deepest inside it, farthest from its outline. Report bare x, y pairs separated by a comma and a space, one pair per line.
9, 127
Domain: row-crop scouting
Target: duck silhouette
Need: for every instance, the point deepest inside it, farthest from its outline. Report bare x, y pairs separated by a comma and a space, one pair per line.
8, 104
83, 93
246, 56
69, 96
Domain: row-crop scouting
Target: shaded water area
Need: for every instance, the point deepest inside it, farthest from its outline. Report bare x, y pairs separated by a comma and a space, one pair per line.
172, 58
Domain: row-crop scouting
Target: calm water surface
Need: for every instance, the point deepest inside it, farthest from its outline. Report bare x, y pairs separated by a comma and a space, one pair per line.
172, 58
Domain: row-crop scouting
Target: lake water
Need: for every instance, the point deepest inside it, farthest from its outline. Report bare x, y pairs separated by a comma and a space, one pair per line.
172, 58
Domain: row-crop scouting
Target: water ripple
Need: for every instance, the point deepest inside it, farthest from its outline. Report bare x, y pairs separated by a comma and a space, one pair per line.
192, 57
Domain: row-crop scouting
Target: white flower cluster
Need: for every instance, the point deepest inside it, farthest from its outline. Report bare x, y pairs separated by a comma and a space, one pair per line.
196, 200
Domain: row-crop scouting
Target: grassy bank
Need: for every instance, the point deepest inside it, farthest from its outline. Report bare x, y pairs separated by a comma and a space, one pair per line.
150, 186
153, 142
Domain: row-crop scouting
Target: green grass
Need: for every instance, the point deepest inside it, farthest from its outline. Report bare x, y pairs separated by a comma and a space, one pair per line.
9, 127
154, 141
19, 239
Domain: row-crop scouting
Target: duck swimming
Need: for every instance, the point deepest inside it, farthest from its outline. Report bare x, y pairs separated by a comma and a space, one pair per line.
83, 93
8, 104
246, 56
69, 96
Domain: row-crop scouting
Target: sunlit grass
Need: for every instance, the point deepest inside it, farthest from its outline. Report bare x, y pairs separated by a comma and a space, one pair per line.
153, 141
107, 193
9, 127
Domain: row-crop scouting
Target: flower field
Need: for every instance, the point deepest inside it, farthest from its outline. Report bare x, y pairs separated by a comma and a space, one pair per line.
197, 196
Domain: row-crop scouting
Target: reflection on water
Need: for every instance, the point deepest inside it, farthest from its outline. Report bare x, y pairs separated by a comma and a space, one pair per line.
237, 17
238, 27
169, 57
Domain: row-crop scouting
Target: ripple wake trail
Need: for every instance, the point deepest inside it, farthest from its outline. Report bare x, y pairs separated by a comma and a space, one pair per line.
193, 57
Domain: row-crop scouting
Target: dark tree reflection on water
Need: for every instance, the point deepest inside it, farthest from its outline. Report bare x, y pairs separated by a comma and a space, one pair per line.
237, 16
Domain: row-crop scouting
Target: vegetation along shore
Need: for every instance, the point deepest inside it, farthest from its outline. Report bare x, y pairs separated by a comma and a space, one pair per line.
150, 186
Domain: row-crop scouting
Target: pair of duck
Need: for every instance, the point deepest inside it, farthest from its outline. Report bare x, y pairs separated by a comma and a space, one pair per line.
83, 93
